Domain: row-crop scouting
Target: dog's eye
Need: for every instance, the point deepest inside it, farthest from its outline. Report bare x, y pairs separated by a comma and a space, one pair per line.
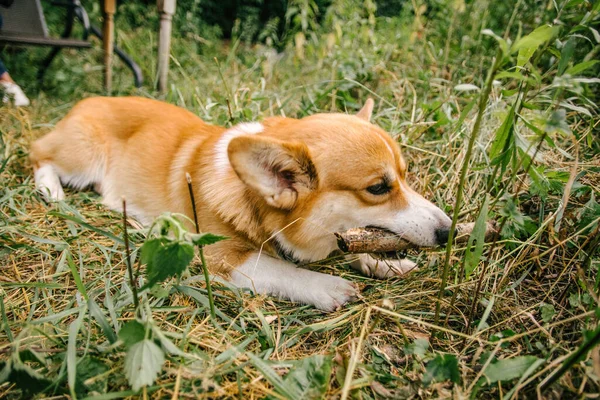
379, 189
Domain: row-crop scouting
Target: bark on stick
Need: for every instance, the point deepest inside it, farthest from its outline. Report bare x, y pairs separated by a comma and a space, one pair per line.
375, 240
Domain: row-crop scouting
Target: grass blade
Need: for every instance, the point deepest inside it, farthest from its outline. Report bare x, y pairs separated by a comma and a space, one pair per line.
77, 277
78, 221
72, 352
98, 315
289, 391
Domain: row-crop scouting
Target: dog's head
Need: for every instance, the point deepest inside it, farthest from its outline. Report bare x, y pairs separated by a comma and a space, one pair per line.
328, 173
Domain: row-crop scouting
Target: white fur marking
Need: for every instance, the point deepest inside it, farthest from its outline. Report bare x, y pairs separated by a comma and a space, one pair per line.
382, 268
182, 159
221, 162
269, 275
48, 182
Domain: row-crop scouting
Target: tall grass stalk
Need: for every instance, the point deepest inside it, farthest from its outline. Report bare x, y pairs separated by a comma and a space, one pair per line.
483, 99
136, 300
211, 300
355, 357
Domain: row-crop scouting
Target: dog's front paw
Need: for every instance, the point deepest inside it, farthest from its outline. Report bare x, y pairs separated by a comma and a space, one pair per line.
383, 268
329, 293
48, 183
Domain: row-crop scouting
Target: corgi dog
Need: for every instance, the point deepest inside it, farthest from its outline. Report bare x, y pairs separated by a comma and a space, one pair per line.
279, 188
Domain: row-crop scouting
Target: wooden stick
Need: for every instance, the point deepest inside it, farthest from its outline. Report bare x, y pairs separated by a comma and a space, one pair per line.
110, 7
167, 9
375, 240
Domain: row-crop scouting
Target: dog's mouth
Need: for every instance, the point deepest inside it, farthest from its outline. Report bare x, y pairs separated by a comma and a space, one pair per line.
382, 229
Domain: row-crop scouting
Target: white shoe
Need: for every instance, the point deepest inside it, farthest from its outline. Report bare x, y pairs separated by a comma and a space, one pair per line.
13, 90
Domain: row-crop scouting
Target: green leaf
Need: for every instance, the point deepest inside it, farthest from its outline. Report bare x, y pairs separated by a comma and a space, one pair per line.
91, 367
500, 335
165, 258
143, 362
150, 248
508, 369
167, 344
23, 377
524, 377
203, 239
501, 42
527, 45
503, 140
558, 122
574, 300
132, 332
476, 240
311, 376
159, 292
588, 214
418, 347
539, 183
511, 74
98, 315
579, 68
548, 312
573, 3
565, 55
511, 212
442, 368
466, 110
538, 131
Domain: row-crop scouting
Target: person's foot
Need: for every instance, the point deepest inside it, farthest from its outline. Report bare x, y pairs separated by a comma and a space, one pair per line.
13, 90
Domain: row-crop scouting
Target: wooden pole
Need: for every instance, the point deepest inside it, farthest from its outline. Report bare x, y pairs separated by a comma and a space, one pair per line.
109, 42
166, 9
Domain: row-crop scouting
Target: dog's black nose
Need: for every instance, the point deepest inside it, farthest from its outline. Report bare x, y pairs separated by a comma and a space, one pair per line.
441, 235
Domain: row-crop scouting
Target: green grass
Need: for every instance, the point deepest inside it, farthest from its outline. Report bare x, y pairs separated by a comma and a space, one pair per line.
538, 285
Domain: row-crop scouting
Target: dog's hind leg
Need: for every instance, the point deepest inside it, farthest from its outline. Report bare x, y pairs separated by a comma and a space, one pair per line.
69, 155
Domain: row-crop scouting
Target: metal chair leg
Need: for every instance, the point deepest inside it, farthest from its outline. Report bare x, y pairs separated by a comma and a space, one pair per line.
55, 50
82, 16
135, 69
76, 10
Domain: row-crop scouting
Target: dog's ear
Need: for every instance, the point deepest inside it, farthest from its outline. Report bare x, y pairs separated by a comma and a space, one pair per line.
281, 172
367, 110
